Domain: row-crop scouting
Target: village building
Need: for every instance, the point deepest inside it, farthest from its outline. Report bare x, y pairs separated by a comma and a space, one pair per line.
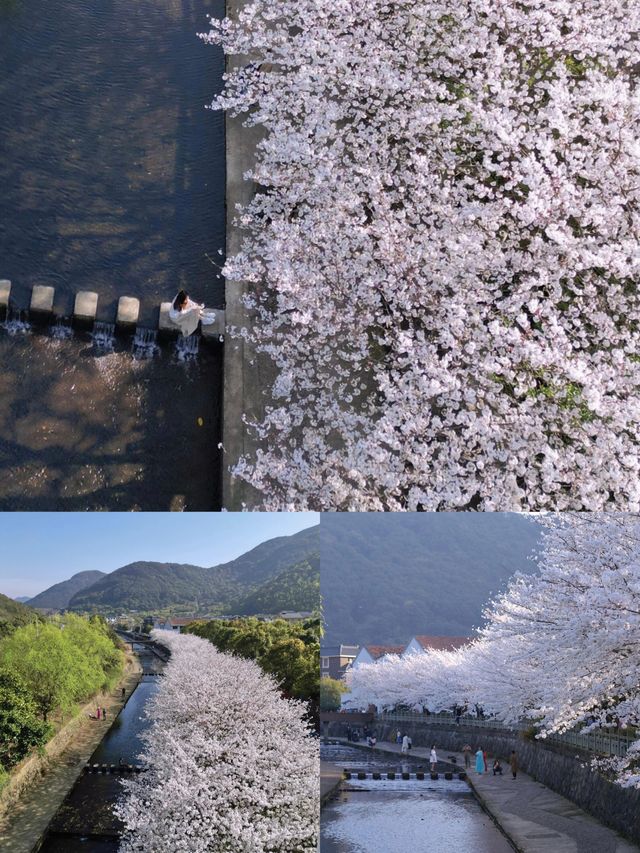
336, 660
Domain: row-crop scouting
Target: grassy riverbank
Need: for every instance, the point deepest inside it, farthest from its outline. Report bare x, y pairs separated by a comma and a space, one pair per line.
49, 670
37, 786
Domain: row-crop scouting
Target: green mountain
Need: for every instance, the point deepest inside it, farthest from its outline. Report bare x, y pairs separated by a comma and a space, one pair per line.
294, 588
58, 596
386, 577
13, 614
148, 586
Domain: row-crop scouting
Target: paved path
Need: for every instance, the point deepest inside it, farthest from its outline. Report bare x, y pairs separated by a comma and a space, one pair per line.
536, 819
22, 830
330, 778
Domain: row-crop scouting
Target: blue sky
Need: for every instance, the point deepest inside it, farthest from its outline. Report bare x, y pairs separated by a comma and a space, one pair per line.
42, 548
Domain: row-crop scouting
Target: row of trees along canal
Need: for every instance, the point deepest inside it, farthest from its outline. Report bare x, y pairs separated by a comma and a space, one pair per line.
289, 651
48, 669
54, 665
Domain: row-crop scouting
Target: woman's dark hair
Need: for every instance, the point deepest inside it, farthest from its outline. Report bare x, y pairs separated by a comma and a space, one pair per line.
180, 299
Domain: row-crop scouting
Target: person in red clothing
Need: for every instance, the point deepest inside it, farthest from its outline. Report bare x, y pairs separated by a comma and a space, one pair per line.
484, 757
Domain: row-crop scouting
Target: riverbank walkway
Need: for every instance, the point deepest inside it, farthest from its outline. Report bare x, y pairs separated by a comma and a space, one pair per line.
330, 779
534, 818
24, 826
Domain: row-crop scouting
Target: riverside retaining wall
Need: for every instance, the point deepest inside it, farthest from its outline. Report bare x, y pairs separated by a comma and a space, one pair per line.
564, 770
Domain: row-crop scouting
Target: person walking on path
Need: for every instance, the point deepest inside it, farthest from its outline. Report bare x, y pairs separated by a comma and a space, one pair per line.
484, 758
433, 758
124, 693
410, 744
513, 763
97, 713
405, 744
399, 736
104, 713
479, 762
466, 749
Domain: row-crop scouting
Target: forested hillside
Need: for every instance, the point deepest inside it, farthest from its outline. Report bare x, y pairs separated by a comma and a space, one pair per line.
151, 586
294, 588
58, 596
386, 577
13, 615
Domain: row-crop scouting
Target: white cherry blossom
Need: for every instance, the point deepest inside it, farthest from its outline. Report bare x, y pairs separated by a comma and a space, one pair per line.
560, 647
233, 767
444, 261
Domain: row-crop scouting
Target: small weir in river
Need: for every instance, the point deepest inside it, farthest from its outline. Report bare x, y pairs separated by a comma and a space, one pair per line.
145, 343
85, 821
402, 815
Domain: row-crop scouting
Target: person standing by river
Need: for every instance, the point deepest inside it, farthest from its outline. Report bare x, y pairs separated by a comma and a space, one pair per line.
405, 744
433, 758
466, 749
186, 313
513, 762
479, 762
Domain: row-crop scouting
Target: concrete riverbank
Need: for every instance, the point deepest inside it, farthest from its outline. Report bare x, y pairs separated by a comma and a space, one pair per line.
330, 779
27, 811
247, 374
535, 819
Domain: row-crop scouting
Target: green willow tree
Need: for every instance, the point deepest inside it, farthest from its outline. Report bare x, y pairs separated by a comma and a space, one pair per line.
331, 692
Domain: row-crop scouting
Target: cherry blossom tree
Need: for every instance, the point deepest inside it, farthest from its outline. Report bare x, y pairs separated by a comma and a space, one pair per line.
443, 257
560, 647
232, 765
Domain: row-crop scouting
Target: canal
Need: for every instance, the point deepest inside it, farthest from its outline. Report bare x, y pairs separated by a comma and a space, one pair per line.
401, 816
85, 822
111, 168
112, 177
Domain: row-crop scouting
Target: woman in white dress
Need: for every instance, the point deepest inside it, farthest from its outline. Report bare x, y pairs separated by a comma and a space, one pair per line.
186, 313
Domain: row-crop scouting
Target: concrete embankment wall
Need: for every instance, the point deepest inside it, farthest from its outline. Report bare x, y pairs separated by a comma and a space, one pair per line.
562, 769
247, 374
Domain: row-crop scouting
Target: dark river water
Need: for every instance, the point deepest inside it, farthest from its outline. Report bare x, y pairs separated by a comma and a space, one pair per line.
111, 168
403, 816
85, 821
112, 179
83, 429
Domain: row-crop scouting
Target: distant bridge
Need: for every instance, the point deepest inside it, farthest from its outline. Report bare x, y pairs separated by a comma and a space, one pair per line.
132, 639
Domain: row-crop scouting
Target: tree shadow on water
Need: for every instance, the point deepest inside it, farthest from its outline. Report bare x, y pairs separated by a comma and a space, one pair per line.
80, 432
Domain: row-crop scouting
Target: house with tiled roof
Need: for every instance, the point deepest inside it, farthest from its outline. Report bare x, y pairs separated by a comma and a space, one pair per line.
336, 660
173, 624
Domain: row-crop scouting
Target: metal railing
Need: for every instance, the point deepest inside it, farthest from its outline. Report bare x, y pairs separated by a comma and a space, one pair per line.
602, 742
